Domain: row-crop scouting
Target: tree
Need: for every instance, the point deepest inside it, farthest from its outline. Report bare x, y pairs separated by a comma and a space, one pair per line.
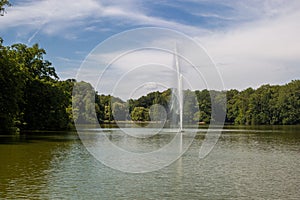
12, 84
104, 102
289, 103
45, 107
232, 108
32, 63
140, 114
242, 104
259, 109
189, 106
119, 111
3, 3
201, 116
157, 113
67, 88
39, 82
84, 103
204, 106
31, 96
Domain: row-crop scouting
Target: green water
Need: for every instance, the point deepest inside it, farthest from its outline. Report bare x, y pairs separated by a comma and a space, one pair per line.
246, 163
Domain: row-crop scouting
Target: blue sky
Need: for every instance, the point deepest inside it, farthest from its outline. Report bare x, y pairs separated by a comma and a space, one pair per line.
251, 42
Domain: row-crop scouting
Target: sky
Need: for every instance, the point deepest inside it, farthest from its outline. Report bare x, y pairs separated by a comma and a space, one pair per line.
250, 42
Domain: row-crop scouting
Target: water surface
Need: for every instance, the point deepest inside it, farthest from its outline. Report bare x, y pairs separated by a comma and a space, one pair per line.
248, 162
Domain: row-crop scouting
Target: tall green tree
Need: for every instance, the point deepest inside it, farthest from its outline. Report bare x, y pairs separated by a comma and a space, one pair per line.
45, 106
31, 95
11, 84
32, 63
203, 113
140, 114
3, 4
84, 103
289, 103
41, 95
242, 104
189, 106
232, 106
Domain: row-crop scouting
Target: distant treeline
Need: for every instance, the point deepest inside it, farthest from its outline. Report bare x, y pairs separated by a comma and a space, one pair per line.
268, 105
32, 97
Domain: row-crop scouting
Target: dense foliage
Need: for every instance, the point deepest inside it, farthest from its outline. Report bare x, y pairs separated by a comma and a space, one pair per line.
3, 4
269, 105
32, 97
266, 105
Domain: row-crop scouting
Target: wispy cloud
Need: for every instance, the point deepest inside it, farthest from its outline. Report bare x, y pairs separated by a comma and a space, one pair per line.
257, 41
56, 16
258, 52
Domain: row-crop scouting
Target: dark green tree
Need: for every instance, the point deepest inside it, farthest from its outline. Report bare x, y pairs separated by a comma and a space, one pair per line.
11, 84
189, 106
204, 106
140, 114
232, 106
84, 103
3, 4
289, 103
45, 106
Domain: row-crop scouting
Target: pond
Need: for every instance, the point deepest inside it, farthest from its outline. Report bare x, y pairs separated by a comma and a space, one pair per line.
261, 162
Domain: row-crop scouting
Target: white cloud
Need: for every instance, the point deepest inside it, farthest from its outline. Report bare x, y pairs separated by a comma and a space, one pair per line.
261, 46
123, 64
259, 52
55, 17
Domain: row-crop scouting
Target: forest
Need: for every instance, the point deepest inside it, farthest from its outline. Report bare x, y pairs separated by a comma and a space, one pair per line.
33, 98
266, 105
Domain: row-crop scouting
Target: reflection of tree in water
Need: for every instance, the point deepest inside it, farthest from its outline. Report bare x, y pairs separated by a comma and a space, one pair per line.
28, 161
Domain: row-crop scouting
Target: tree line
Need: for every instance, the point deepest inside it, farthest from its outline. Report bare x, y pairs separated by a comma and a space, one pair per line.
33, 97
266, 105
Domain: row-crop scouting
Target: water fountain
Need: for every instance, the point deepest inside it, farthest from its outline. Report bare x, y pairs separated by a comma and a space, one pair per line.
179, 90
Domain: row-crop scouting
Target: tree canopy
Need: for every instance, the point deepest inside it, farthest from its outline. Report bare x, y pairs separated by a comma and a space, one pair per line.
3, 4
33, 97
